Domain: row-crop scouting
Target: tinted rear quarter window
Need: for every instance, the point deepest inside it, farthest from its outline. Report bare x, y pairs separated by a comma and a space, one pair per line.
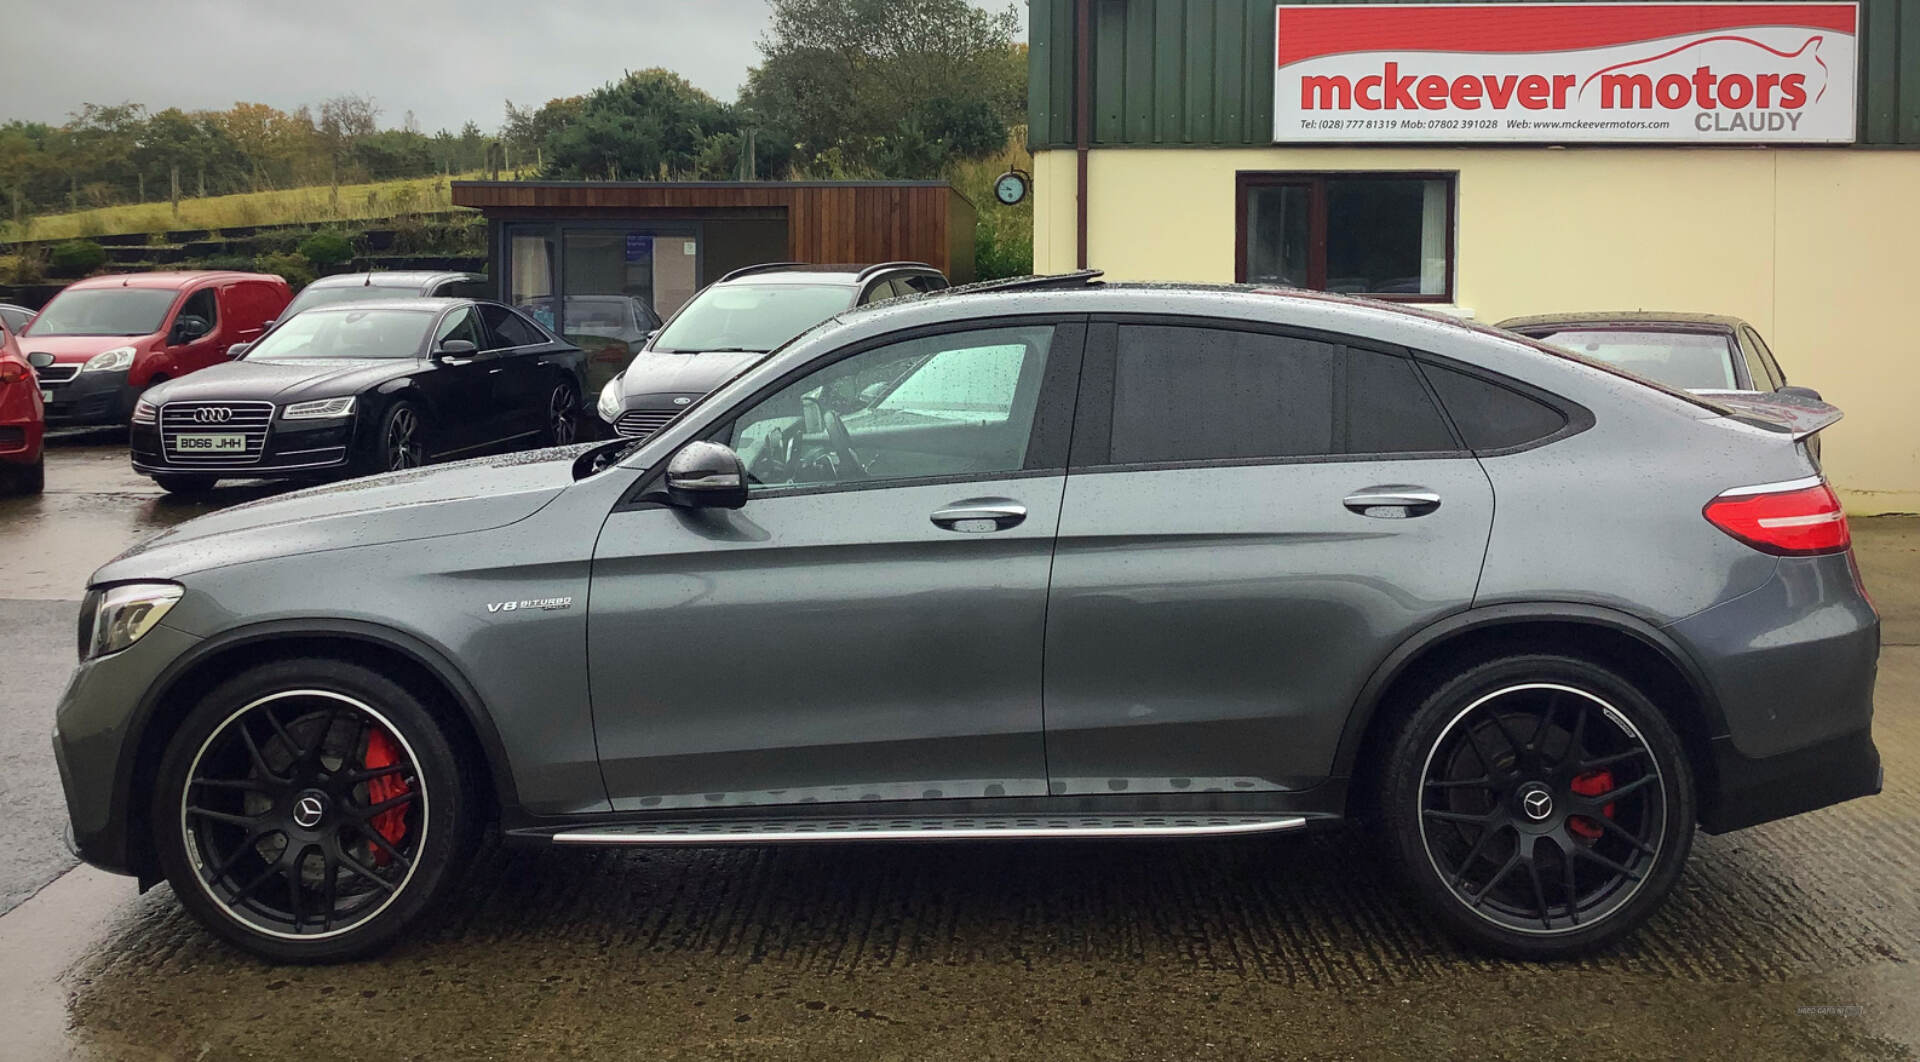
511, 329
1490, 416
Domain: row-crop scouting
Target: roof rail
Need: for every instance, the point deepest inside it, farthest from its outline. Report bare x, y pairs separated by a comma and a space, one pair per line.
1076, 279
872, 269
763, 267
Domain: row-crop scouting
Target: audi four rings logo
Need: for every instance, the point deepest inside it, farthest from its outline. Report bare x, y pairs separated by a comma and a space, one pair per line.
213, 415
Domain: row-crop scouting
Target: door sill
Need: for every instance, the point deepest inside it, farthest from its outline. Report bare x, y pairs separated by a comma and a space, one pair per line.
930, 828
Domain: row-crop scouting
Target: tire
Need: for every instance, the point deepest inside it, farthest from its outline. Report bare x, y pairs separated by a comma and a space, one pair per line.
562, 413
230, 844
23, 479
188, 485
387, 453
1489, 804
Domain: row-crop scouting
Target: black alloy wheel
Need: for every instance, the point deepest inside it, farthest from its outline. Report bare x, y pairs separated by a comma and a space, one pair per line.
403, 439
563, 410
300, 811
1541, 805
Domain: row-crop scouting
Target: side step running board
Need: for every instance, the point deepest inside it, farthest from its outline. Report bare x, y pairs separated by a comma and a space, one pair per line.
782, 831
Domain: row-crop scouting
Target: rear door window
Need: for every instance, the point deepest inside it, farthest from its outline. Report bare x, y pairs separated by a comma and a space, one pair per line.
1186, 394
1210, 394
1489, 415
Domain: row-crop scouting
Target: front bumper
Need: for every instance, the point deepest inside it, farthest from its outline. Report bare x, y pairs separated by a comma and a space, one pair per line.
90, 398
96, 746
292, 449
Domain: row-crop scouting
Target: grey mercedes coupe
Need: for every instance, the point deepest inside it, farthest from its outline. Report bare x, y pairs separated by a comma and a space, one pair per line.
1036, 559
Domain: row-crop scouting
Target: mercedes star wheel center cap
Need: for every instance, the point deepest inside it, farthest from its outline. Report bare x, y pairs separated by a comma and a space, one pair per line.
1537, 803
308, 810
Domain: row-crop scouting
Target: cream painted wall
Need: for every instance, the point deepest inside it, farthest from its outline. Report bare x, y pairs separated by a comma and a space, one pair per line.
1820, 249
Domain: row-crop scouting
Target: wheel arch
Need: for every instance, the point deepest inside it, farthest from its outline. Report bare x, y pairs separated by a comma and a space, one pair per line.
402, 657
1603, 635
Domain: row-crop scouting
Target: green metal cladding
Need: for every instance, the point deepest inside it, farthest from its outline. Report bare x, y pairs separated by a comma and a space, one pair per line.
1171, 73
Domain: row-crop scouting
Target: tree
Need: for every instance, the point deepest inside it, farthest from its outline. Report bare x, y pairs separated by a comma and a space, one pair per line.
896, 88
649, 125
527, 130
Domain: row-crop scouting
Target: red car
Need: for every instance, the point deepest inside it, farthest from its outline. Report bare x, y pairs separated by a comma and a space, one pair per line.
110, 338
22, 421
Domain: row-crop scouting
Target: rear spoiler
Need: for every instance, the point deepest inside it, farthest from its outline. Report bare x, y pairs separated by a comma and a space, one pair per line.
1789, 414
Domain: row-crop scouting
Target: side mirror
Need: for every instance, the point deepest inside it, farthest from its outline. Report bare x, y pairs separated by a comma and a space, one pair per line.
456, 348
651, 336
187, 328
238, 351
269, 324
706, 475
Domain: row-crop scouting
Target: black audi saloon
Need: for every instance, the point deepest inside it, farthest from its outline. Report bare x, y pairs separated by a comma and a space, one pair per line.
361, 388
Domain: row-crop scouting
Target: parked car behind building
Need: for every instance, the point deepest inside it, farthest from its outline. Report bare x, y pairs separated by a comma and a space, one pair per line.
107, 339
734, 322
363, 387
394, 284
22, 421
1702, 352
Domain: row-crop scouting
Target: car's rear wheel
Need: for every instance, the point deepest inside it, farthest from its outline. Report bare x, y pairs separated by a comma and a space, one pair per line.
1540, 805
310, 811
186, 484
563, 415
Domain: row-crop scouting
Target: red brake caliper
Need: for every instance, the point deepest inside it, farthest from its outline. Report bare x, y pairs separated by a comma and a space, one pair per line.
1591, 784
382, 752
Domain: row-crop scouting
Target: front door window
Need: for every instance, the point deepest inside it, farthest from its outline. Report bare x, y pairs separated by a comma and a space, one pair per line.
959, 404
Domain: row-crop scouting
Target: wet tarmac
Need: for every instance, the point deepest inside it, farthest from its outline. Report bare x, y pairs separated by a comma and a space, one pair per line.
1799, 939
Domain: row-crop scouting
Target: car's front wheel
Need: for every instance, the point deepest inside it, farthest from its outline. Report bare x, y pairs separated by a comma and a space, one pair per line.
400, 442
1540, 805
310, 811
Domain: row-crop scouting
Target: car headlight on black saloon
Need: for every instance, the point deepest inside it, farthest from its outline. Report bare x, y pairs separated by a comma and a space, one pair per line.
321, 409
145, 412
118, 616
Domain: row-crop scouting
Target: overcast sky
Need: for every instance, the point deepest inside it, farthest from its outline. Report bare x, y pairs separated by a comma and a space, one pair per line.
446, 62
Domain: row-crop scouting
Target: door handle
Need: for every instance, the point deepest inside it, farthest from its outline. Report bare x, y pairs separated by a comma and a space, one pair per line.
1392, 502
980, 515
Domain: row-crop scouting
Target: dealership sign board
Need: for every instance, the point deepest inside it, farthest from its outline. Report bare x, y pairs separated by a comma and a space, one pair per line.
1741, 73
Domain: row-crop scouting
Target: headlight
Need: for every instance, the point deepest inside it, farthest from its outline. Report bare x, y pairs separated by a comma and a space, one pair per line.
110, 360
325, 407
145, 412
117, 617
609, 408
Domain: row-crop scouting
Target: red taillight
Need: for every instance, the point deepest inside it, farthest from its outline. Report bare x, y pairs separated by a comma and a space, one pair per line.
13, 372
1787, 521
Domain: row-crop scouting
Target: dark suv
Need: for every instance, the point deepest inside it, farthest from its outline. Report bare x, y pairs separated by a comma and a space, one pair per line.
735, 321
1030, 562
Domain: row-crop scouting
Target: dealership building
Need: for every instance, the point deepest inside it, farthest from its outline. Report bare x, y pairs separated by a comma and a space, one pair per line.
1758, 159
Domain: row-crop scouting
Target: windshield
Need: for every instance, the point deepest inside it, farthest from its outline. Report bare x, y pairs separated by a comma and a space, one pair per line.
755, 317
336, 295
104, 312
346, 334
1695, 361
